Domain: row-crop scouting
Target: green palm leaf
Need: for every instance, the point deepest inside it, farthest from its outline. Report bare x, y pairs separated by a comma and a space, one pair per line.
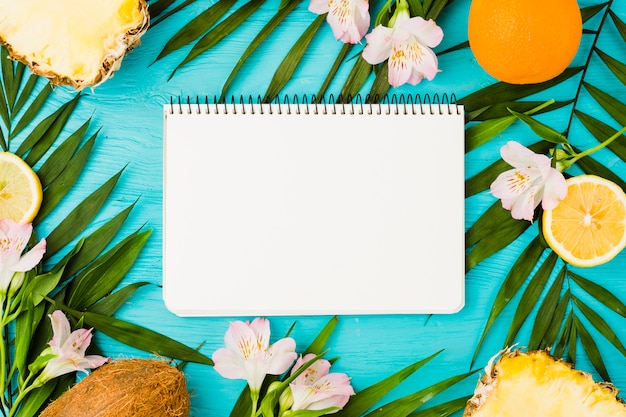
287, 67
206, 27
556, 323
85, 274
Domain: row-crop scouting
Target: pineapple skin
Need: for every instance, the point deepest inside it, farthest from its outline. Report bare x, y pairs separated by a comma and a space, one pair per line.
110, 63
536, 384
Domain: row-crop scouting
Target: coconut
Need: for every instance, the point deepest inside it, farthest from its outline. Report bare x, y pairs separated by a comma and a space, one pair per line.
72, 42
125, 388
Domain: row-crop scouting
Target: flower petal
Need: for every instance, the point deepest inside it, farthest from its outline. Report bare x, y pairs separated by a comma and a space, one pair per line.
379, 45
318, 6
261, 329
523, 208
518, 156
513, 183
555, 189
426, 31
424, 62
400, 68
228, 364
77, 342
31, 258
94, 361
303, 396
348, 19
256, 370
60, 328
242, 339
282, 354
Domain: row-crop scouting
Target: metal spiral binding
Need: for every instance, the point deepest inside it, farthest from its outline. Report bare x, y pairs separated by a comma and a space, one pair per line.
389, 104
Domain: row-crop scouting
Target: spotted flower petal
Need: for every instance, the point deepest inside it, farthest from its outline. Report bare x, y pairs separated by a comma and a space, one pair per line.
248, 354
407, 47
348, 19
67, 349
318, 389
13, 240
531, 181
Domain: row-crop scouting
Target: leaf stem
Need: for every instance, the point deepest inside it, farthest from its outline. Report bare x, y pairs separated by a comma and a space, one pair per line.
596, 148
586, 67
22, 395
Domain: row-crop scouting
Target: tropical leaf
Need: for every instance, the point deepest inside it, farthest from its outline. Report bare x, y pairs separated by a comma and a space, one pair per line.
219, 32
600, 293
530, 297
258, 40
138, 336
443, 410
547, 312
558, 322
206, 27
287, 67
196, 28
371, 395
591, 348
511, 285
33, 125
406, 405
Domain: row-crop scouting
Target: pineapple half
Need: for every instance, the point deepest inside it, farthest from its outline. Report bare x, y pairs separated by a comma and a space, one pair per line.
72, 42
535, 384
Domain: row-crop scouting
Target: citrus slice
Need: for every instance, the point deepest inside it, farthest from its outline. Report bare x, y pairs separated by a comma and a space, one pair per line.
20, 189
588, 227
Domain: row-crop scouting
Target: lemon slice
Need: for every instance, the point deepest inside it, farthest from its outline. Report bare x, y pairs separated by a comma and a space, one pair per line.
588, 227
20, 189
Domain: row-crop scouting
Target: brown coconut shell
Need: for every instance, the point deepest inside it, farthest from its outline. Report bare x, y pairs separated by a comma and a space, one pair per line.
125, 388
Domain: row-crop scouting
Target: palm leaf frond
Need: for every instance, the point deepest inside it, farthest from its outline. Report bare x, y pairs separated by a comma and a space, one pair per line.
207, 30
33, 125
562, 321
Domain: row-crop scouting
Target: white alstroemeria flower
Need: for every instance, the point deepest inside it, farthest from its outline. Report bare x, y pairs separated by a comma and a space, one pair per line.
407, 45
13, 240
248, 354
349, 19
531, 181
317, 388
67, 350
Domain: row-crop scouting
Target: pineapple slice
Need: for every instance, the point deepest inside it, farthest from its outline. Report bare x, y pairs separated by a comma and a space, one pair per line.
72, 42
535, 384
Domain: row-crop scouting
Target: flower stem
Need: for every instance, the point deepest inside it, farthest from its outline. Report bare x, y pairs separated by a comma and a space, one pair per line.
254, 396
597, 147
22, 394
3, 354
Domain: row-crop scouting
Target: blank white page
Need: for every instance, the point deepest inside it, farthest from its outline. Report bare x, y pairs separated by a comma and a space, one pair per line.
313, 214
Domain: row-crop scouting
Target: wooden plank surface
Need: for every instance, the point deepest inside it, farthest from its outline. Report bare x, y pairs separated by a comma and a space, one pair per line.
128, 108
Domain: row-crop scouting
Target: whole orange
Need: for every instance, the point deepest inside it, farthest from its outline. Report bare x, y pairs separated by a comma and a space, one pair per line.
524, 41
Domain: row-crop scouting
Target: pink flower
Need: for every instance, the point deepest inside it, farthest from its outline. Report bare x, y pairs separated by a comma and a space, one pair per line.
248, 354
531, 181
349, 19
13, 239
407, 44
317, 389
67, 350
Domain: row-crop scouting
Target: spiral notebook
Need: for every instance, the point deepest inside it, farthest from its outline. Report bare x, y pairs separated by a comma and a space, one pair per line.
293, 208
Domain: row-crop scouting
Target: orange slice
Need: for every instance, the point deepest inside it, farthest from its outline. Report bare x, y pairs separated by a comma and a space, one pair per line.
20, 189
588, 227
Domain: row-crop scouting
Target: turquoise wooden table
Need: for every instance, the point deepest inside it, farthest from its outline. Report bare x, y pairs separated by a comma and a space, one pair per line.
128, 109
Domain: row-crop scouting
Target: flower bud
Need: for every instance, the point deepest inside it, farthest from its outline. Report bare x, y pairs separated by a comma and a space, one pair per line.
16, 282
402, 10
285, 401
